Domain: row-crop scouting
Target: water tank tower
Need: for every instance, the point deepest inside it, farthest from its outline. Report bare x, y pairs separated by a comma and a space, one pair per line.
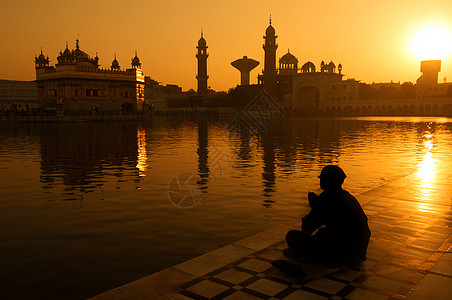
245, 65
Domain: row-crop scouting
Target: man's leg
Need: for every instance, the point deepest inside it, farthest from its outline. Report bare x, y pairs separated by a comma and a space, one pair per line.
297, 241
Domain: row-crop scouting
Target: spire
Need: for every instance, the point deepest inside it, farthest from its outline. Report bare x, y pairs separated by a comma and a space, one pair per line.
136, 61
67, 46
115, 64
76, 42
270, 19
202, 33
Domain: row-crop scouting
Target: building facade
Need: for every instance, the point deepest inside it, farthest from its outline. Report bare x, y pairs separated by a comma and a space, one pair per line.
77, 84
19, 96
305, 89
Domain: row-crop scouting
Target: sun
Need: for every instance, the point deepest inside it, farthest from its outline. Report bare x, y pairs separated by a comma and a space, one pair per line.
432, 42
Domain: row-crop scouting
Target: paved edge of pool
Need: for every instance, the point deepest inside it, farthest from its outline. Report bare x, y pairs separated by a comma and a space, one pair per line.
164, 281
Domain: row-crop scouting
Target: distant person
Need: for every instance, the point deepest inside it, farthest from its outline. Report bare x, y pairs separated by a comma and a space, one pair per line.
335, 232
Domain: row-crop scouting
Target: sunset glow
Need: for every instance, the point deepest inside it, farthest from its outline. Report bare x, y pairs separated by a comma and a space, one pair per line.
372, 40
432, 42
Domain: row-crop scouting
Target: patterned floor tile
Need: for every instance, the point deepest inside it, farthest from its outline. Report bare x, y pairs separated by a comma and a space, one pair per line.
272, 255
348, 275
233, 276
382, 283
267, 287
395, 272
207, 288
414, 251
325, 285
426, 244
360, 294
300, 294
239, 295
255, 265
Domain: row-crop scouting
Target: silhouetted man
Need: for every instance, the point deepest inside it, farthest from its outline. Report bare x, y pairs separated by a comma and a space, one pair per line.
342, 232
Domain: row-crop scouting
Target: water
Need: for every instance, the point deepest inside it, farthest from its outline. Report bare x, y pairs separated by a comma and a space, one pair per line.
85, 207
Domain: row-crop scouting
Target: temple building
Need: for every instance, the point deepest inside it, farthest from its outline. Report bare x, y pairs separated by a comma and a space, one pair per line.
77, 84
305, 89
18, 96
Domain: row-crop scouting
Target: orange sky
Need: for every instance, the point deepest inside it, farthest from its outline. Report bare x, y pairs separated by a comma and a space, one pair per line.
370, 38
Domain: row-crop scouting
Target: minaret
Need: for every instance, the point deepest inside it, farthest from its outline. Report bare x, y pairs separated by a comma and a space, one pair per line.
270, 59
202, 65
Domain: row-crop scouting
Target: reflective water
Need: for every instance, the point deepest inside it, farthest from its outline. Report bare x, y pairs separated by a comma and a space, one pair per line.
85, 207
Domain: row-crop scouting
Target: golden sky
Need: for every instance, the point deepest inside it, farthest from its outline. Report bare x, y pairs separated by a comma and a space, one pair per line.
370, 38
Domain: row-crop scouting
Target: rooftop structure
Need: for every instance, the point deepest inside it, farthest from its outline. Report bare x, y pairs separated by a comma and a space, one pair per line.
76, 83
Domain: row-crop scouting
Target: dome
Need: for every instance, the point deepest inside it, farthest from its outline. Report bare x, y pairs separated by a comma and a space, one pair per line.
79, 54
115, 64
136, 61
202, 42
41, 60
270, 31
41, 56
308, 67
66, 53
288, 58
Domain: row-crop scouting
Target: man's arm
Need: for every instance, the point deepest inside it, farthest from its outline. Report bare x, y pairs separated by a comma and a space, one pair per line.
310, 223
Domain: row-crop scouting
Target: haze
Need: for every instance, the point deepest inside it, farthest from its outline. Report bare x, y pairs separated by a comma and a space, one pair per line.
370, 38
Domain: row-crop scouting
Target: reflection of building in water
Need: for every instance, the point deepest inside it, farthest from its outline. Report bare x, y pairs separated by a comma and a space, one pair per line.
203, 154
426, 167
18, 96
142, 154
268, 172
81, 154
77, 84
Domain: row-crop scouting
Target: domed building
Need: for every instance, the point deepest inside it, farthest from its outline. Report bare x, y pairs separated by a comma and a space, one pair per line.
303, 90
77, 84
288, 64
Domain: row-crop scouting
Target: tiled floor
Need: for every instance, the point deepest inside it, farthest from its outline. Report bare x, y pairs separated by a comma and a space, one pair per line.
409, 256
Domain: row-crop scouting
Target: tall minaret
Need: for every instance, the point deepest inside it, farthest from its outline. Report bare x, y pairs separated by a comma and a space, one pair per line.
202, 65
270, 59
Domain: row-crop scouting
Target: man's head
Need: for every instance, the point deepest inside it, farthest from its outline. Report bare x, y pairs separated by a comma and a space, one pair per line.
331, 178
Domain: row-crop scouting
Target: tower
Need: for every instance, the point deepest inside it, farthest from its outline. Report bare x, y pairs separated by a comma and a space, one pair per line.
245, 65
202, 65
430, 69
270, 47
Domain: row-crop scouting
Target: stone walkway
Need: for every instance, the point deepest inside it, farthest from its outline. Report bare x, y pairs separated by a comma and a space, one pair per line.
409, 256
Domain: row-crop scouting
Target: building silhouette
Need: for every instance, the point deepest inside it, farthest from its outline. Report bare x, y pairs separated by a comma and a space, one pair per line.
269, 73
245, 65
18, 96
77, 84
202, 65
